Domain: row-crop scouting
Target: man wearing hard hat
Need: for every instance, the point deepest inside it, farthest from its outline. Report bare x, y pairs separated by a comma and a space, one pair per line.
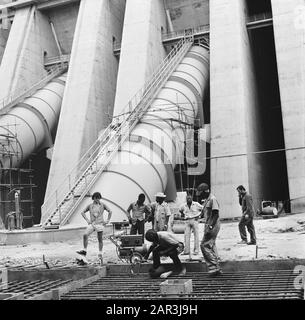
160, 213
211, 229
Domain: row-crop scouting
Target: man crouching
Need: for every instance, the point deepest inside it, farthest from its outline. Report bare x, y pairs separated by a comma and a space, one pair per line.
164, 244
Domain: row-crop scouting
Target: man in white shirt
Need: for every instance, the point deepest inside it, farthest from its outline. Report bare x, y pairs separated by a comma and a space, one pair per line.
160, 213
191, 211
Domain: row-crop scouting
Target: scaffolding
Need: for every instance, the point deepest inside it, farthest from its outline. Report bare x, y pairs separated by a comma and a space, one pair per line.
14, 178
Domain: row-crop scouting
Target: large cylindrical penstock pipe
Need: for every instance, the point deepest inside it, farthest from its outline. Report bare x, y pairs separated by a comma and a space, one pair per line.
31, 125
145, 163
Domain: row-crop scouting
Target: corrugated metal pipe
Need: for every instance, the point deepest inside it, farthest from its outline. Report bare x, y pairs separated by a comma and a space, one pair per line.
31, 125
145, 163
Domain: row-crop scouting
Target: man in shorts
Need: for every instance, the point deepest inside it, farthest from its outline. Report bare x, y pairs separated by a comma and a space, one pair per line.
96, 223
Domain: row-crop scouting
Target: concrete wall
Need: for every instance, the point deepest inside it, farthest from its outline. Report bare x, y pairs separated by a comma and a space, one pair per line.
3, 39
91, 82
188, 13
289, 33
139, 58
232, 105
64, 20
22, 64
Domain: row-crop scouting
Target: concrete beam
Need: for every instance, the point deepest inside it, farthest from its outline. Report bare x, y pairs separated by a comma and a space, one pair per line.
57, 293
39, 235
226, 266
42, 4
289, 34
55, 4
69, 273
23, 59
145, 20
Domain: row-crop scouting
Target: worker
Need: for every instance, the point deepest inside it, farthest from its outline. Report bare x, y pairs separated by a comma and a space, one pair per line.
140, 213
190, 211
164, 244
18, 214
95, 223
247, 216
1, 224
211, 229
160, 215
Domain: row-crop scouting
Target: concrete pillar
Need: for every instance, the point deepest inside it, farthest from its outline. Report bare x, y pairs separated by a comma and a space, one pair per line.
232, 105
5, 25
289, 34
90, 87
142, 49
22, 63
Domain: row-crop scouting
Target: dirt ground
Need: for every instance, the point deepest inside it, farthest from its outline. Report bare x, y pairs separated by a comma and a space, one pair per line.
281, 238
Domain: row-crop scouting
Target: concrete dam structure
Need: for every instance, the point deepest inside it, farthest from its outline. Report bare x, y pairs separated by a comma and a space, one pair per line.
103, 95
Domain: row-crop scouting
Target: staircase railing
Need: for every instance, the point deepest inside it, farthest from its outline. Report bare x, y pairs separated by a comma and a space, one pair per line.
61, 59
7, 103
65, 199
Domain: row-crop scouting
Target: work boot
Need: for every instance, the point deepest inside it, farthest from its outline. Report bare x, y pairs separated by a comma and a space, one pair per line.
251, 243
242, 242
166, 274
81, 262
182, 272
82, 252
215, 273
100, 256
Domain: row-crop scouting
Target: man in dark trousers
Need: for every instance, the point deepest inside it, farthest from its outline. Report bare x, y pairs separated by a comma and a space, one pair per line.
164, 244
211, 229
140, 212
246, 201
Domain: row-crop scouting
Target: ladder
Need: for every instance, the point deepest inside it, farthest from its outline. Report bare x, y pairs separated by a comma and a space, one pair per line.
62, 203
9, 102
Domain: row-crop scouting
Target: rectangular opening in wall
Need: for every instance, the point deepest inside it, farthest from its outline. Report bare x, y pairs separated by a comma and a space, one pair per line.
255, 7
184, 14
269, 124
64, 20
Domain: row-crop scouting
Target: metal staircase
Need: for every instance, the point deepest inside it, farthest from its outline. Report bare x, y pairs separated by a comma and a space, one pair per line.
61, 204
7, 103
